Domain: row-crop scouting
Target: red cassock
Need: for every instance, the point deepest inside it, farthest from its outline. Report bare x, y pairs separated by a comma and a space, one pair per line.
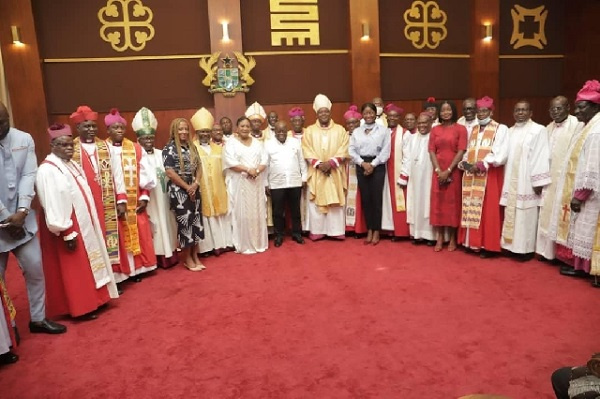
488, 234
70, 285
90, 176
446, 200
401, 228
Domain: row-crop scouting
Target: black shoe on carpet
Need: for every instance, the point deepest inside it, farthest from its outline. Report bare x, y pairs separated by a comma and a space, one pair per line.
8, 358
571, 272
46, 327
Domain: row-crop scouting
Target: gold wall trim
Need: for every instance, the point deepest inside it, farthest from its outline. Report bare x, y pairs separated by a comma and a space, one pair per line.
530, 56
296, 52
122, 59
423, 55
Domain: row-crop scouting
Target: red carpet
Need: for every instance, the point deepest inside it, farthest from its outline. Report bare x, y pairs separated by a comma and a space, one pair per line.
324, 320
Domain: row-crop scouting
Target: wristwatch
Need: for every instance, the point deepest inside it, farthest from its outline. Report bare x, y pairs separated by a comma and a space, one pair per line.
24, 210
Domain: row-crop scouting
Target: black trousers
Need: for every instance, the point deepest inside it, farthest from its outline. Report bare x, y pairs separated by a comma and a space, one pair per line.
560, 382
281, 197
371, 194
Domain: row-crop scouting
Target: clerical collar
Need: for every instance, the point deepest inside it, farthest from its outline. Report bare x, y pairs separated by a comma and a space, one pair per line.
559, 124
117, 144
88, 141
205, 144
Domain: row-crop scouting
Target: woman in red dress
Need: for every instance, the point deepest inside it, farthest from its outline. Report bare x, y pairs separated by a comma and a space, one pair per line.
447, 145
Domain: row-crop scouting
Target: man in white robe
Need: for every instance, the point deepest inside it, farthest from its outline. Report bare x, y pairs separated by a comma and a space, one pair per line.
416, 175
216, 217
527, 171
561, 131
164, 228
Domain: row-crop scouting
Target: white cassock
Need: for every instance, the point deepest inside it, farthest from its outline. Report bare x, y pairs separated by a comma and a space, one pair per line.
217, 229
164, 226
527, 167
247, 198
5, 341
416, 165
468, 124
560, 138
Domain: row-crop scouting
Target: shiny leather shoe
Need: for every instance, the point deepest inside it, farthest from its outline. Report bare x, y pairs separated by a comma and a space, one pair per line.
46, 327
571, 272
298, 238
8, 358
278, 241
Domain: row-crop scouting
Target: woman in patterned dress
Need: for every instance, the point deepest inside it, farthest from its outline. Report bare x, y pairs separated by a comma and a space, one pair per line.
182, 166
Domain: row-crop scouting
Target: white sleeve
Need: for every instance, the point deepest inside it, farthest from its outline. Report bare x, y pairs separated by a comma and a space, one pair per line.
499, 154
146, 179
117, 172
55, 197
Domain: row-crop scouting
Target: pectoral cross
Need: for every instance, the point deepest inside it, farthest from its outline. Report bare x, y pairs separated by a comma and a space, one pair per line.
565, 209
129, 169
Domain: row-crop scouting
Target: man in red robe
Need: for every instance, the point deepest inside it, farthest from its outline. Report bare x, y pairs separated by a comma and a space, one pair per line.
77, 268
399, 142
138, 180
483, 164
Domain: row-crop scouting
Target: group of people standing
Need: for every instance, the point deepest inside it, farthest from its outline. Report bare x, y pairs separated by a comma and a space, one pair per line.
114, 209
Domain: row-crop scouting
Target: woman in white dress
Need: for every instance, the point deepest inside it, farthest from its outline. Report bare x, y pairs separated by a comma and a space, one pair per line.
244, 160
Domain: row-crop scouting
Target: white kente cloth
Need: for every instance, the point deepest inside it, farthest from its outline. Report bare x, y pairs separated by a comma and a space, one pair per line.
561, 136
247, 199
63, 191
164, 226
527, 167
416, 165
584, 238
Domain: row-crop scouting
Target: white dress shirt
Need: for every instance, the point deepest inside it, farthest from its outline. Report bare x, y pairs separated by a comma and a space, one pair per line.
377, 143
286, 167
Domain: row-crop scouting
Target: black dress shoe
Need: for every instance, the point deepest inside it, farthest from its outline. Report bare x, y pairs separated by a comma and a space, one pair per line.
46, 327
119, 289
571, 272
298, 238
88, 316
278, 241
8, 358
17, 335
136, 279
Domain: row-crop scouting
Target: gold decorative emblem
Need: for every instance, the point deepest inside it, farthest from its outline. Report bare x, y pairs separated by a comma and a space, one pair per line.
294, 21
124, 20
536, 16
227, 79
425, 24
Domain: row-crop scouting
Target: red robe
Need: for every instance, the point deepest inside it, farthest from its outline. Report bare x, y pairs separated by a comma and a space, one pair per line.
446, 200
401, 228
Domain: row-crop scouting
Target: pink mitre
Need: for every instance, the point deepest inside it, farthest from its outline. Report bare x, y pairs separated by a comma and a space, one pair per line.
392, 107
352, 113
59, 130
114, 117
296, 111
589, 92
485, 102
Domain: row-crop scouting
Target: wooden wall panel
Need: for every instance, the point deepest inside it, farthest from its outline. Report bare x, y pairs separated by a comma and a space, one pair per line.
484, 66
539, 106
23, 72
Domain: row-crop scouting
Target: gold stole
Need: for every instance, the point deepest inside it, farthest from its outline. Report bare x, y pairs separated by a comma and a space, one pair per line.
212, 184
9, 305
130, 175
105, 179
567, 193
473, 184
351, 194
400, 201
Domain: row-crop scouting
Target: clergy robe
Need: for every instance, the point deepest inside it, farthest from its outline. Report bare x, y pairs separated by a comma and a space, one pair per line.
247, 199
584, 237
162, 220
78, 281
400, 141
527, 167
560, 137
138, 180
416, 175
215, 210
304, 197
481, 221
327, 194
104, 178
7, 317
469, 125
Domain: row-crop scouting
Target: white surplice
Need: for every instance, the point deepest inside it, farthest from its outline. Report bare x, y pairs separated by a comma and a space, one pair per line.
416, 165
247, 199
469, 125
164, 226
527, 167
561, 136
5, 341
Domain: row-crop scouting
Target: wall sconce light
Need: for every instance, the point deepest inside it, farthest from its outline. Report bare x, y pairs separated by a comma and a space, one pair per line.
225, 26
16, 35
487, 32
366, 34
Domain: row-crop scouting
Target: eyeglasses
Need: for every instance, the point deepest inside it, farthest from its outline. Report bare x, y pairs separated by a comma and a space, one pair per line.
64, 145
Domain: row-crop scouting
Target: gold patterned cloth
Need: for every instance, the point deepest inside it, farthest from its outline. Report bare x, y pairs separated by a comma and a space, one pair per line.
212, 183
12, 312
473, 184
325, 144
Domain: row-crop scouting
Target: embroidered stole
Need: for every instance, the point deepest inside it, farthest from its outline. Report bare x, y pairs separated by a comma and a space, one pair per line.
398, 140
212, 184
104, 178
510, 211
12, 312
351, 195
130, 175
473, 184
